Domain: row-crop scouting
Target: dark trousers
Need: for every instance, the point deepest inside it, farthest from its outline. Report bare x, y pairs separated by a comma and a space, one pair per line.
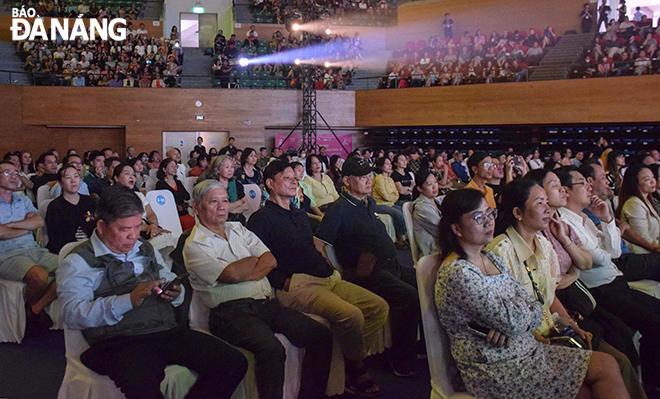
637, 267
137, 363
641, 312
251, 324
398, 287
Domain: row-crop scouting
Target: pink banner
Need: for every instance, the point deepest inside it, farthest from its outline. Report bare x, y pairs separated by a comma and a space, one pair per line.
328, 141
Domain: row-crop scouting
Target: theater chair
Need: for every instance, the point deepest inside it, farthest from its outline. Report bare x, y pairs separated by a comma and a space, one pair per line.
441, 363
163, 204
408, 217
253, 195
649, 287
43, 194
82, 383
385, 337
389, 225
199, 320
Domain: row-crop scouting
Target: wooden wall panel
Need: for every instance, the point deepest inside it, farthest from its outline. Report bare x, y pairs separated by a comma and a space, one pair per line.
607, 100
146, 113
420, 19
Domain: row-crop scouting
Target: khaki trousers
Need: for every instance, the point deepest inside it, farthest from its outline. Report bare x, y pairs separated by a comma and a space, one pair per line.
356, 315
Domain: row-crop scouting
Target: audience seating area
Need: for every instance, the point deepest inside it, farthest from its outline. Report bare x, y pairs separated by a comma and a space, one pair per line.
468, 59
342, 52
345, 12
127, 9
624, 49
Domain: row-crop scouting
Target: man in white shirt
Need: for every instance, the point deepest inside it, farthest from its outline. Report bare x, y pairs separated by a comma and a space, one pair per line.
605, 281
175, 154
228, 265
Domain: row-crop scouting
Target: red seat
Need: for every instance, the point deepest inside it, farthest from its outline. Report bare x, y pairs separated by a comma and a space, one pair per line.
421, 45
410, 46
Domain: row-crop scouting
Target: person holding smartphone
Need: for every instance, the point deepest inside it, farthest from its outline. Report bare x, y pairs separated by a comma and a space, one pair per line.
109, 288
475, 285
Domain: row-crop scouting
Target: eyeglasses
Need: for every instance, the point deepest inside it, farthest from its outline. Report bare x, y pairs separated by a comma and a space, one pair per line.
8, 172
481, 217
488, 164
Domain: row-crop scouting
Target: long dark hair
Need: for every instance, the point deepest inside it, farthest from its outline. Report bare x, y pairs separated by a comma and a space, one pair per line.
380, 162
515, 195
630, 187
336, 174
161, 168
454, 206
614, 169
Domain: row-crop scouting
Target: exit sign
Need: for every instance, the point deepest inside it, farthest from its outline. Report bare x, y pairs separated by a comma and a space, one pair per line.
199, 117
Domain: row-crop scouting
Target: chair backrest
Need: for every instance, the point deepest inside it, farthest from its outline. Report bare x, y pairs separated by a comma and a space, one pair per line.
189, 184
74, 341
408, 218
253, 195
437, 341
43, 207
43, 193
199, 314
332, 257
150, 184
163, 205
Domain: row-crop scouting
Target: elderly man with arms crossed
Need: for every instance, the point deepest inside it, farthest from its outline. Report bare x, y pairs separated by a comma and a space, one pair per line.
110, 289
306, 282
228, 265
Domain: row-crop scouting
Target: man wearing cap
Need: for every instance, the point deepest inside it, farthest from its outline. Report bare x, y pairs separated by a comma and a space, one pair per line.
305, 281
368, 257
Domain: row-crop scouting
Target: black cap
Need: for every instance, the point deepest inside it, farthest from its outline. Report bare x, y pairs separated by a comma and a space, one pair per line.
355, 166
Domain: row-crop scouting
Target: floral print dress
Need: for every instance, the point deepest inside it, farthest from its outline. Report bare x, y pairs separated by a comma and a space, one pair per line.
526, 369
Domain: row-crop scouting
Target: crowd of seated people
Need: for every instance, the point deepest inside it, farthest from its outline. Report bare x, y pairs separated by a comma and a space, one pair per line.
337, 49
524, 240
82, 9
138, 61
625, 48
469, 59
345, 12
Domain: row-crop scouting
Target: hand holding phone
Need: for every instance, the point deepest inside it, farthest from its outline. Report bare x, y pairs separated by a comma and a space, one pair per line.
171, 289
494, 337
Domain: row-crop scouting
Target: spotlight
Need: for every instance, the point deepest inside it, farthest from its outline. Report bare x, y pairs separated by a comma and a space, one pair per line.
327, 64
328, 31
296, 27
243, 62
297, 61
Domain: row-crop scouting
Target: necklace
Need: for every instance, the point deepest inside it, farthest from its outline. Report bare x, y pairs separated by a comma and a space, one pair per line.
483, 265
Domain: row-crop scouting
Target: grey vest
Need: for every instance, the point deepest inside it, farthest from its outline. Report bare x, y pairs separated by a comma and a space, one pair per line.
153, 315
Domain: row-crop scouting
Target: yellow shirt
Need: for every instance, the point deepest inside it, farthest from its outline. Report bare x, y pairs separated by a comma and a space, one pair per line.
487, 192
384, 190
324, 192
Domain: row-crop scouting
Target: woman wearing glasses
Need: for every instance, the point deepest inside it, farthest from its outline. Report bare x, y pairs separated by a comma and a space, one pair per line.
475, 286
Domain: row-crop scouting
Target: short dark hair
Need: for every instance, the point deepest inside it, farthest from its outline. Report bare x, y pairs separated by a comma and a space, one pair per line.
456, 204
118, 202
308, 163
475, 159
109, 161
295, 164
106, 149
262, 148
42, 157
95, 154
67, 158
245, 154
231, 138
119, 168
60, 173
273, 169
587, 170
11, 154
564, 175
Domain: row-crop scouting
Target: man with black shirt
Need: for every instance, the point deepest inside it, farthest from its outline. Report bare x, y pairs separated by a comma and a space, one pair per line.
368, 256
323, 156
96, 173
49, 162
230, 148
305, 281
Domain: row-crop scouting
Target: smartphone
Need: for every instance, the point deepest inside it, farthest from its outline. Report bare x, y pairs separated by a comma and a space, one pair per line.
178, 280
568, 341
478, 329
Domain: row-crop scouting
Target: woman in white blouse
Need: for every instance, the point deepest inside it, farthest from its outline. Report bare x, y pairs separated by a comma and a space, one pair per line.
637, 209
535, 162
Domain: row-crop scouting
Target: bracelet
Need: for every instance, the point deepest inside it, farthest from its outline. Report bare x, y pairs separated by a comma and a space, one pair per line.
566, 247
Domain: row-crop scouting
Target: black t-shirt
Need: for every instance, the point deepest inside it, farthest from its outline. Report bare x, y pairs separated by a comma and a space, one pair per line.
180, 195
406, 180
63, 220
353, 228
41, 180
288, 235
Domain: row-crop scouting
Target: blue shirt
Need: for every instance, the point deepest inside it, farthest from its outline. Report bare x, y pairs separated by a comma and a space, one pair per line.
460, 170
15, 212
76, 282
